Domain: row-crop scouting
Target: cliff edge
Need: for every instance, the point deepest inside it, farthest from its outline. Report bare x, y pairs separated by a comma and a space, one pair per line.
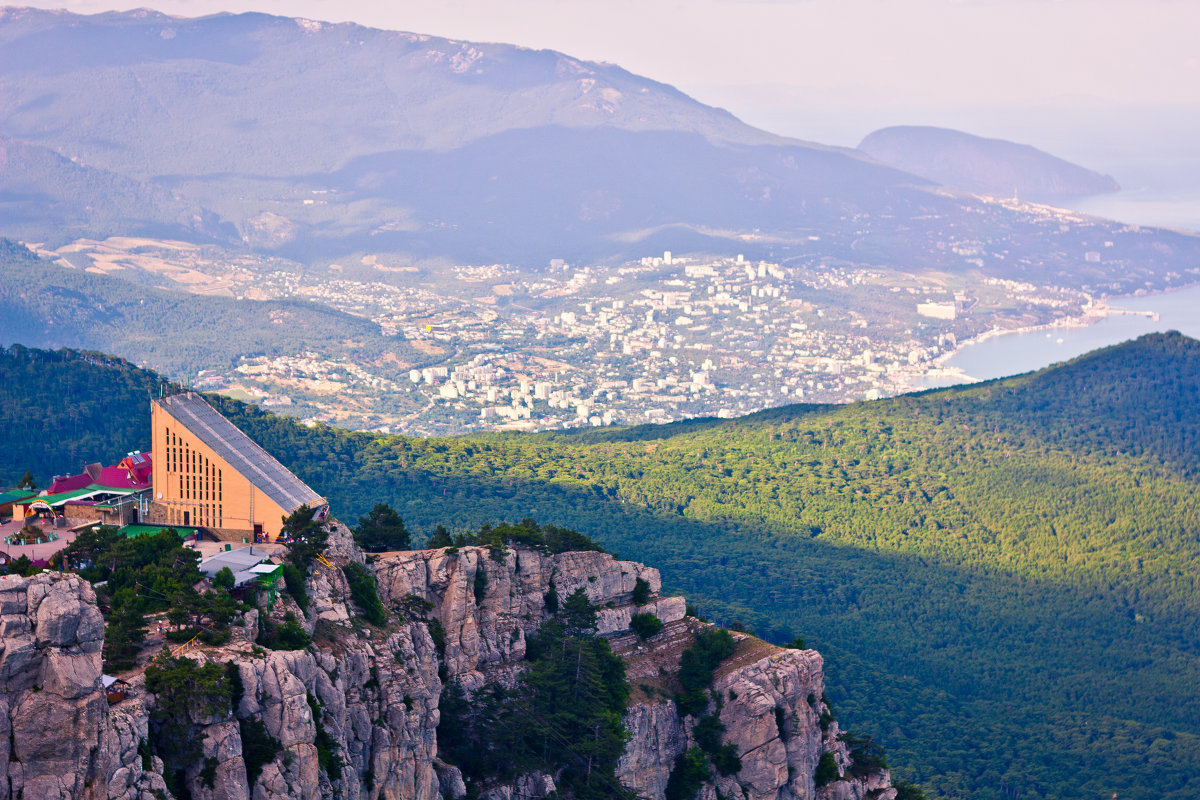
356, 713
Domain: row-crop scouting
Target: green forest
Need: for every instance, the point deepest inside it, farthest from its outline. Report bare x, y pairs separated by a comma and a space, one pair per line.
1001, 577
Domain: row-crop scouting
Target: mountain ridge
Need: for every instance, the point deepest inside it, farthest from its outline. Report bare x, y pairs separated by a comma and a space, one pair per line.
252, 115
242, 39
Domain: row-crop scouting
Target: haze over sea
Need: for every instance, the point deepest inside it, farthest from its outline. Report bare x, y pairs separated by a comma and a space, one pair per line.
1155, 190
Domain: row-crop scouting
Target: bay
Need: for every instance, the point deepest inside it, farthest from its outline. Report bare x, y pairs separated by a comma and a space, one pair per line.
1013, 353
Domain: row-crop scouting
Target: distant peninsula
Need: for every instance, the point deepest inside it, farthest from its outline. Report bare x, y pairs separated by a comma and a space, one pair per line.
987, 166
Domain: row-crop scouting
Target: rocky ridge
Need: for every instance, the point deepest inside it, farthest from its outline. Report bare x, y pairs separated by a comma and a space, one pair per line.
369, 697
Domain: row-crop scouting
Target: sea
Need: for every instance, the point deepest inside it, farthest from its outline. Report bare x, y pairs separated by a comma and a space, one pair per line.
1013, 353
1163, 195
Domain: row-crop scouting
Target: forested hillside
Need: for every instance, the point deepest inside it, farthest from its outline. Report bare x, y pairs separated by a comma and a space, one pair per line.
177, 332
61, 410
1003, 577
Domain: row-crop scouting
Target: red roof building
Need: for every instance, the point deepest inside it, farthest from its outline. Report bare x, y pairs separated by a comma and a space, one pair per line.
132, 472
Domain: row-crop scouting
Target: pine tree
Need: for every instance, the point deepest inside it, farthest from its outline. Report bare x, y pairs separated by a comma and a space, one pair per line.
382, 530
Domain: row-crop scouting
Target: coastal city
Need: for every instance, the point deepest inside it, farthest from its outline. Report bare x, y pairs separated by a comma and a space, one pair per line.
663, 338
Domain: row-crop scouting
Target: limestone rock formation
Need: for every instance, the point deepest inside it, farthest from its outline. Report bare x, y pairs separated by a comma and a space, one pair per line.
53, 714
355, 715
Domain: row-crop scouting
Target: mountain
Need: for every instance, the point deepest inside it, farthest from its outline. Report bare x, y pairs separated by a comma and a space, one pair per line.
1002, 575
267, 96
323, 143
988, 166
384, 133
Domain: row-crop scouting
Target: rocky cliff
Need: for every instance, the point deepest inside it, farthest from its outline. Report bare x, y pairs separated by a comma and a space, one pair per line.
356, 714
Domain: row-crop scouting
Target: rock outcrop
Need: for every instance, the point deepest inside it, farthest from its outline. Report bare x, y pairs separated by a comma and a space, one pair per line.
53, 713
355, 715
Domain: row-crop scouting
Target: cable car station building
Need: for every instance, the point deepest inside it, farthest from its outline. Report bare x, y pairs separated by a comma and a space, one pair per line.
209, 474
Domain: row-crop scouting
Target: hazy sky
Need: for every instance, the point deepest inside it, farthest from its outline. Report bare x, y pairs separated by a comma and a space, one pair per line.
832, 70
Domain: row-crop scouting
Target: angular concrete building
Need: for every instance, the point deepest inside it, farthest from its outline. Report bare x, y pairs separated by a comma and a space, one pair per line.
207, 473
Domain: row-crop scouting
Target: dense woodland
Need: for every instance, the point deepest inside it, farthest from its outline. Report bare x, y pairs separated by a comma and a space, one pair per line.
1002, 577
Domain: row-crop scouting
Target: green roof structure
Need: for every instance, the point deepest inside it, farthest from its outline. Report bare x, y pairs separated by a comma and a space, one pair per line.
133, 531
86, 493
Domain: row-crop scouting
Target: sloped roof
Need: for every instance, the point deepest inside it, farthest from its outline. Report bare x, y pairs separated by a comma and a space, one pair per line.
70, 483
237, 560
240, 451
114, 476
245, 564
60, 498
15, 494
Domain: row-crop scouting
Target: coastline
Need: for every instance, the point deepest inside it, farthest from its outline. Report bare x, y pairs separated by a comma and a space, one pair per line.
1102, 310
1095, 314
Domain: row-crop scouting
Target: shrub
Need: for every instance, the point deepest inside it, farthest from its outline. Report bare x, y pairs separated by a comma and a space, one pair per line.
827, 715
645, 625
440, 538
688, 774
908, 791
567, 702
184, 689
308, 536
696, 667
328, 758
578, 614
708, 733
288, 636
413, 607
641, 592
223, 579
208, 773
481, 583
438, 634
293, 579
525, 533
382, 530
365, 593
258, 747
827, 770
865, 755
726, 759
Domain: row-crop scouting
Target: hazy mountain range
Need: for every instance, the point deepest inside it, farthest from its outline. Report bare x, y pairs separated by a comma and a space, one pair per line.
319, 141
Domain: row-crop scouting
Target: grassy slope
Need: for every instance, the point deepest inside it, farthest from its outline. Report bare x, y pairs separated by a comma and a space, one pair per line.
1002, 576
